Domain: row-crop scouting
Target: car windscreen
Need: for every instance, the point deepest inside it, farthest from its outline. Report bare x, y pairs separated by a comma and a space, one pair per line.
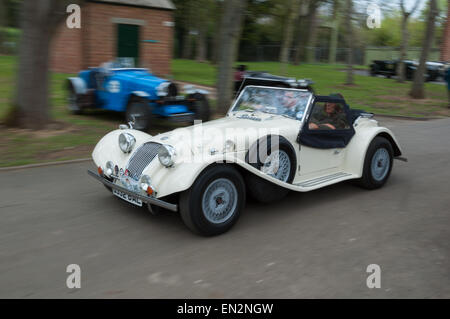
287, 102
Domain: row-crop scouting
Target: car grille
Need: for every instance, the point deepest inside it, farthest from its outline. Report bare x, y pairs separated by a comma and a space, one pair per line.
141, 158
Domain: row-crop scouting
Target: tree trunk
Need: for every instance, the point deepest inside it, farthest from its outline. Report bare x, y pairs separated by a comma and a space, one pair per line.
201, 46
403, 49
231, 23
289, 30
2, 24
349, 27
39, 20
187, 45
31, 101
312, 31
334, 32
417, 90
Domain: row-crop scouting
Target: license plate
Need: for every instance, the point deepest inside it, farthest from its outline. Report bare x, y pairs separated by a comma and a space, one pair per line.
131, 199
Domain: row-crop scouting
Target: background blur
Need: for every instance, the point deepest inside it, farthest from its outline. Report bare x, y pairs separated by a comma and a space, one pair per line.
200, 42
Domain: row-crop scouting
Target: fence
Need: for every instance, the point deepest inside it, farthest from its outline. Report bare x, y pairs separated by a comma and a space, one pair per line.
361, 56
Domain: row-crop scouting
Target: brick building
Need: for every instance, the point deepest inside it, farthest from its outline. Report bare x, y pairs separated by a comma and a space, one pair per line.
445, 49
141, 29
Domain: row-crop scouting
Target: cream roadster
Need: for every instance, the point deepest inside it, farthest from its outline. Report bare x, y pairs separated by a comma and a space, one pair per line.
272, 141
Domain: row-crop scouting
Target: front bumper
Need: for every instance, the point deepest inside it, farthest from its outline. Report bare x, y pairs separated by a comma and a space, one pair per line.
144, 199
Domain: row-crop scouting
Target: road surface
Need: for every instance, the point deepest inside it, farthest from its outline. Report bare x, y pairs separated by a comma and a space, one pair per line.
310, 245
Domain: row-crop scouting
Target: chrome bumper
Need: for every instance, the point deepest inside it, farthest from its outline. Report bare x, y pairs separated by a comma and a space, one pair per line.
145, 199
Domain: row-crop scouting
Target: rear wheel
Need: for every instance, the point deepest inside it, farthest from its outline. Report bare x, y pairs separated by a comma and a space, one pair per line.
200, 107
214, 202
138, 111
73, 101
377, 164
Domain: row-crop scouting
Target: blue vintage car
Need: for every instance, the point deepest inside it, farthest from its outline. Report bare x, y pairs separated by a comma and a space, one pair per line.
141, 95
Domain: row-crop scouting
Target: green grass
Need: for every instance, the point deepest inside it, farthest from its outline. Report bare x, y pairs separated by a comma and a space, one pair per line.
373, 94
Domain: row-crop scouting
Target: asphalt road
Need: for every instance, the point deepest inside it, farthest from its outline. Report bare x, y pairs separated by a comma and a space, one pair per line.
310, 245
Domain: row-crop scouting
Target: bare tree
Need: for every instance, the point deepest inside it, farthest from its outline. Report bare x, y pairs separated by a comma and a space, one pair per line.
2, 23
203, 18
334, 32
293, 13
308, 17
405, 38
417, 90
230, 30
39, 21
349, 37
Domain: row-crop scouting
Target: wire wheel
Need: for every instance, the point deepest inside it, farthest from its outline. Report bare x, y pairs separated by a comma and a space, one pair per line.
277, 165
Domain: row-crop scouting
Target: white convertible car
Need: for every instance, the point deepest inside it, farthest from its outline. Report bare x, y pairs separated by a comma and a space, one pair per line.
272, 141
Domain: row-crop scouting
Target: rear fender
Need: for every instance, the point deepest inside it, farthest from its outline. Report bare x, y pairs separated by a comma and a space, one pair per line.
357, 148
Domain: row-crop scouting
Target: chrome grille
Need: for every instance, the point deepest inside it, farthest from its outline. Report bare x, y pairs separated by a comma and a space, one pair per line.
141, 158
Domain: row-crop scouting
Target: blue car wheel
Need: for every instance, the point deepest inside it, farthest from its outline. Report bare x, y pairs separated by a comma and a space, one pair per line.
138, 112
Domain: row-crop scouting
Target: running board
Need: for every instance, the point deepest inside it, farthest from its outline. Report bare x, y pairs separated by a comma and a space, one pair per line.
324, 179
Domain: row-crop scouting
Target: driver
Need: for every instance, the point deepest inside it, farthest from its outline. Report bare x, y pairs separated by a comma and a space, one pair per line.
289, 103
330, 117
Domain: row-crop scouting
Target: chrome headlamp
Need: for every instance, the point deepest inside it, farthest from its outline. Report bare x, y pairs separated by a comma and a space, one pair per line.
166, 155
163, 89
126, 142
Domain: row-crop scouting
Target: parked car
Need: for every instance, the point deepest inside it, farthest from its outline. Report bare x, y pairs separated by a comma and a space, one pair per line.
141, 95
245, 78
272, 141
388, 68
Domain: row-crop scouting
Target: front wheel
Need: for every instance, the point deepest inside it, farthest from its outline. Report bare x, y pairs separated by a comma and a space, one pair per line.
138, 111
214, 202
377, 164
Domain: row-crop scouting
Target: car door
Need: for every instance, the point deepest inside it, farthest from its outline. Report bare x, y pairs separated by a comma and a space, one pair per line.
324, 137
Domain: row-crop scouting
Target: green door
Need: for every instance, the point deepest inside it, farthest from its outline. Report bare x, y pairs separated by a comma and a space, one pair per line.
128, 42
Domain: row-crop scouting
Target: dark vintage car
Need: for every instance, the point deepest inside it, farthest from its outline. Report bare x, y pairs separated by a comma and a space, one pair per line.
243, 78
388, 68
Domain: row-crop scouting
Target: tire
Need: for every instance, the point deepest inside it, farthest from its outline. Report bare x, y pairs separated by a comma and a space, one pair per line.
200, 107
375, 174
259, 188
73, 101
140, 109
194, 209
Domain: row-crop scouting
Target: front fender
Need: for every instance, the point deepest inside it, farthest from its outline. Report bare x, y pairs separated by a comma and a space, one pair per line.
357, 148
107, 149
78, 84
182, 175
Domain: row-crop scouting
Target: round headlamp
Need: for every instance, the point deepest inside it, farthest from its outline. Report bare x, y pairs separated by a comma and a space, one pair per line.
126, 142
163, 89
166, 155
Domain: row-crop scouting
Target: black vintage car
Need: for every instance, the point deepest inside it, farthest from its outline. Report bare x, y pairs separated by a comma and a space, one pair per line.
388, 68
243, 78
